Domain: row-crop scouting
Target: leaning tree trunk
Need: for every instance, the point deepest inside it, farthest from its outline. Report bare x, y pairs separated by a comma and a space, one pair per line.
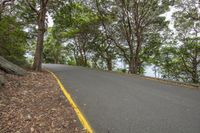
37, 65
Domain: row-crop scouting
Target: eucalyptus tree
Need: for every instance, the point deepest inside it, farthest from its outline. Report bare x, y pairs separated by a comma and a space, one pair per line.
187, 25
40, 9
105, 43
103, 51
137, 18
76, 22
34, 14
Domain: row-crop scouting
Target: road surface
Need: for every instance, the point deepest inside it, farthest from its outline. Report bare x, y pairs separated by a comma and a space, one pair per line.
114, 103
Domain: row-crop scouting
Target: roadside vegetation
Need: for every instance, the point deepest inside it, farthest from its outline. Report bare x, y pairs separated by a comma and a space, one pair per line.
104, 34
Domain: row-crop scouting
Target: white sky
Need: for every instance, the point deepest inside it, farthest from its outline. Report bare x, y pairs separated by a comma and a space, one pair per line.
168, 16
50, 20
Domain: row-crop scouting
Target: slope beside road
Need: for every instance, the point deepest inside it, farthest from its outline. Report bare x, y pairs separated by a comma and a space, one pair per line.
126, 104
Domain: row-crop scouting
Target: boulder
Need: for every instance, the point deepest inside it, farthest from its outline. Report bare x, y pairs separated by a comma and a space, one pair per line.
11, 68
1, 81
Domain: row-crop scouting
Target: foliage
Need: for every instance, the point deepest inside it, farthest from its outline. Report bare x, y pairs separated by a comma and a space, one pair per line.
13, 42
99, 33
187, 25
53, 49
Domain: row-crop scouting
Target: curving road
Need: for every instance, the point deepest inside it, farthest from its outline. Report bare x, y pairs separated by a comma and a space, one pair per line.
114, 103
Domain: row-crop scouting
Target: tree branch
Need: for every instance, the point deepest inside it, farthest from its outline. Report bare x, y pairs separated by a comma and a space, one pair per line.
184, 63
32, 8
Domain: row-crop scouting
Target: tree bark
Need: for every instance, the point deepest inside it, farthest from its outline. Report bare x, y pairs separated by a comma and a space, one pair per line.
109, 64
131, 64
137, 51
37, 65
85, 57
195, 78
56, 60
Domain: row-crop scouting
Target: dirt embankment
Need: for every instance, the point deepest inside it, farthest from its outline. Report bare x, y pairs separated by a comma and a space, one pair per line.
34, 103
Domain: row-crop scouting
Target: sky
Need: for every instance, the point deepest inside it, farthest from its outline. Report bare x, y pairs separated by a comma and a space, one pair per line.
168, 16
50, 20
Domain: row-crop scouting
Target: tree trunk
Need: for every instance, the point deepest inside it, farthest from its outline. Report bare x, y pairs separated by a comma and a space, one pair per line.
94, 64
137, 51
56, 60
131, 61
109, 64
75, 52
85, 61
81, 59
56, 56
195, 72
195, 76
85, 57
37, 65
131, 66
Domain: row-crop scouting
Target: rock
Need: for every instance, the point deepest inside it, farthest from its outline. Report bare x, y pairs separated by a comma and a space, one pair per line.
1, 81
11, 68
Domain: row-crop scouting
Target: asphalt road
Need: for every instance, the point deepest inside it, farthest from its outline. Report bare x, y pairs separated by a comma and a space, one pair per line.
114, 103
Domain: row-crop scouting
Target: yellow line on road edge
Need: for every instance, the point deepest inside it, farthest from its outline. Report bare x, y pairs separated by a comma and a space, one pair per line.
74, 106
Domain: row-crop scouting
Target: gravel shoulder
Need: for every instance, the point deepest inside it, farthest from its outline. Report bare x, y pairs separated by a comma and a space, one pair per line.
34, 103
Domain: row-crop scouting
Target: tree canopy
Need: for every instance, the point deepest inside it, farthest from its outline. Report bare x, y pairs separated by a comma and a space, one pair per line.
105, 34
